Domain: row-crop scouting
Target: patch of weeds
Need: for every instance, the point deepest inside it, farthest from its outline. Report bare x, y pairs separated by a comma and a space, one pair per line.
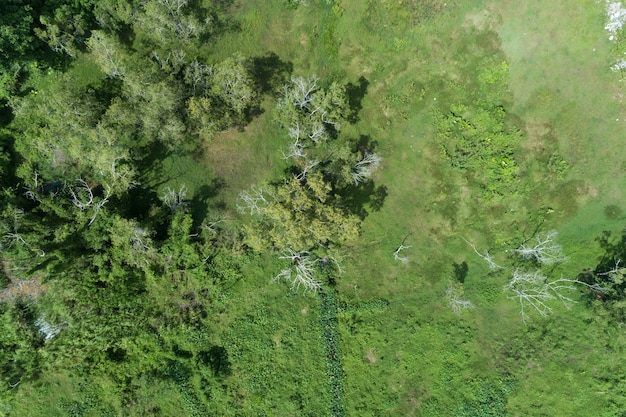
558, 166
475, 142
330, 340
399, 44
612, 212
390, 17
489, 399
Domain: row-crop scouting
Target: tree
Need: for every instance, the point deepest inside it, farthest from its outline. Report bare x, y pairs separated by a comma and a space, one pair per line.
485, 256
536, 290
543, 249
398, 257
62, 135
365, 167
609, 275
223, 94
455, 296
301, 272
232, 84
108, 53
82, 196
19, 356
174, 200
311, 114
65, 31
16, 39
302, 215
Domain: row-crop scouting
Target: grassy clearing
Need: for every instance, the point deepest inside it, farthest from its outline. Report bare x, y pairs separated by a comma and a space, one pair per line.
562, 97
565, 93
416, 357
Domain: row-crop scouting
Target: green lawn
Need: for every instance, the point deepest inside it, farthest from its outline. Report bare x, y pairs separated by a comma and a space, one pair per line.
416, 357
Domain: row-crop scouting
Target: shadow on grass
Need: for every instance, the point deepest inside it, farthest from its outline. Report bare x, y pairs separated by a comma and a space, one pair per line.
217, 358
358, 199
270, 72
460, 271
202, 200
355, 93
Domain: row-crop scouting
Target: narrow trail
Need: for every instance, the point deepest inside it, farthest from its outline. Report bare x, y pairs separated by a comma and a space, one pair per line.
329, 311
330, 340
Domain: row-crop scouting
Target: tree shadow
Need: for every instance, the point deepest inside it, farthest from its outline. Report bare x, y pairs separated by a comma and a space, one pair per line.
355, 94
460, 271
217, 358
6, 114
141, 202
358, 199
104, 91
269, 72
364, 144
203, 200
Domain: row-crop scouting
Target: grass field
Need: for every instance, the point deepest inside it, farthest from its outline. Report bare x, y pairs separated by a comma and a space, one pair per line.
403, 351
415, 357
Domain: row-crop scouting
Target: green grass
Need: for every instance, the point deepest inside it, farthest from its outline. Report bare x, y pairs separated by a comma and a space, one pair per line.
437, 207
414, 357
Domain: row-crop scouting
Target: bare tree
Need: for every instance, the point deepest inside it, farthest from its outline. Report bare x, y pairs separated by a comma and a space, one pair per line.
140, 239
10, 235
617, 274
47, 329
295, 131
304, 170
299, 92
317, 131
365, 167
396, 254
301, 271
175, 200
485, 256
535, 290
32, 194
295, 149
82, 197
455, 296
255, 200
174, 7
543, 249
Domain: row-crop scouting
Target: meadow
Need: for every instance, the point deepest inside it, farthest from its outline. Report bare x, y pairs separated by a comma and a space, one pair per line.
496, 121
415, 356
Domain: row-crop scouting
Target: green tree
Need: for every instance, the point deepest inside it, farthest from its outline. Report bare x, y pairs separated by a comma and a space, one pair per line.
65, 31
16, 42
609, 275
310, 113
300, 215
232, 84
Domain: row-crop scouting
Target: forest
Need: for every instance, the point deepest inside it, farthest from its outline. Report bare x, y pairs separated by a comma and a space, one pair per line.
312, 208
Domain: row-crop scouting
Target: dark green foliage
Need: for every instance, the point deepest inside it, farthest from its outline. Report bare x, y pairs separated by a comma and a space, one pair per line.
476, 141
460, 271
331, 343
489, 400
609, 275
19, 358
